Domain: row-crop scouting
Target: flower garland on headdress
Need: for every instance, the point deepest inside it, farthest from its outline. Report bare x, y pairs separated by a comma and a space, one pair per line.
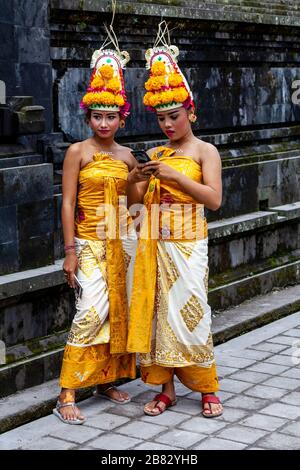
167, 87
106, 90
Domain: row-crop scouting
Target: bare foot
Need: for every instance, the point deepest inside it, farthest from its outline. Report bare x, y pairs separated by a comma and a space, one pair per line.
212, 409
70, 412
113, 393
156, 407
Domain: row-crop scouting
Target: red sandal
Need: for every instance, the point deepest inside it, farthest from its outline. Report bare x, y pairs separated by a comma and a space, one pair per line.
210, 399
163, 398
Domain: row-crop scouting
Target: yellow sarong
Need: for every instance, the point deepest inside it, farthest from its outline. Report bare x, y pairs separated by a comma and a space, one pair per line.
96, 347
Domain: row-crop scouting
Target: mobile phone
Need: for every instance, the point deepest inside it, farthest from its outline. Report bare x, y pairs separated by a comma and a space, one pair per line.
141, 156
78, 287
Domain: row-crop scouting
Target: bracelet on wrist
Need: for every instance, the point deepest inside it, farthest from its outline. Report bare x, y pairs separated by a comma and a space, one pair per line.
69, 248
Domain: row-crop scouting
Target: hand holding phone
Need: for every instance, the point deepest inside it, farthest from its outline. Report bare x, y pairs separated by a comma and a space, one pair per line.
141, 156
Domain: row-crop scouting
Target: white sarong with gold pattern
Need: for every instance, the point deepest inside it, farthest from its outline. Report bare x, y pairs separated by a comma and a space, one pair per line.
170, 319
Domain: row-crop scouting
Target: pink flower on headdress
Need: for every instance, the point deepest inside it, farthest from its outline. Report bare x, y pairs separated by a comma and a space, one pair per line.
124, 110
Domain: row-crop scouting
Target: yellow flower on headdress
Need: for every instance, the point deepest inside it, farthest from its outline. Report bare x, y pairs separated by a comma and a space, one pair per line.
88, 99
155, 83
119, 100
106, 98
175, 79
114, 84
147, 98
155, 99
97, 82
180, 94
158, 68
167, 96
106, 71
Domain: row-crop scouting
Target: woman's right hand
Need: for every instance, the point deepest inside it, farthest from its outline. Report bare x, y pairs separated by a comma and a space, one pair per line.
137, 175
70, 267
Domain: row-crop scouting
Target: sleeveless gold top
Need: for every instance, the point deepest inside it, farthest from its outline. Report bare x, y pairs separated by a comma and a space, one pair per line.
95, 182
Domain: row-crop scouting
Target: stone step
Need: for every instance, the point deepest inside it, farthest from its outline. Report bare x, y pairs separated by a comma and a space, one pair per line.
255, 312
236, 138
34, 402
255, 12
22, 160
236, 292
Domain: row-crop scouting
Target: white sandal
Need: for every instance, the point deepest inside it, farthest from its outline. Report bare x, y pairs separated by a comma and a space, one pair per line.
102, 394
64, 420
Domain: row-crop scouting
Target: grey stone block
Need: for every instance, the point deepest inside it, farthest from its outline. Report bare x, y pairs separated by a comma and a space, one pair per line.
215, 443
234, 386
242, 434
202, 425
250, 376
26, 184
278, 441
131, 410
8, 240
49, 443
281, 339
141, 430
261, 391
114, 442
283, 382
185, 405
154, 446
280, 360
268, 423
280, 409
169, 419
7, 11
292, 429
264, 367
271, 347
223, 371
7, 38
293, 373
247, 404
31, 13
293, 351
292, 398
93, 407
75, 434
294, 332
182, 439
238, 362
106, 421
40, 89
252, 354
32, 44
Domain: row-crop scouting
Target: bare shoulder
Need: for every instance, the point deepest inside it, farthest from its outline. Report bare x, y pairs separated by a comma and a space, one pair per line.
207, 152
124, 151
126, 156
74, 152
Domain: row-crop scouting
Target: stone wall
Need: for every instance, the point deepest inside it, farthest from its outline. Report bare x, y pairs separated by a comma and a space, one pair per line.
241, 73
25, 64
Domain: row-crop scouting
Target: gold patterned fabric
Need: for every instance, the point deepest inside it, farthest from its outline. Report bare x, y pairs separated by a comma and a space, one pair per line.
86, 367
105, 270
175, 224
181, 323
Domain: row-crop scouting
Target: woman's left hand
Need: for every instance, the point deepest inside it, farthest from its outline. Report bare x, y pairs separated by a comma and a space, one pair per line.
161, 171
